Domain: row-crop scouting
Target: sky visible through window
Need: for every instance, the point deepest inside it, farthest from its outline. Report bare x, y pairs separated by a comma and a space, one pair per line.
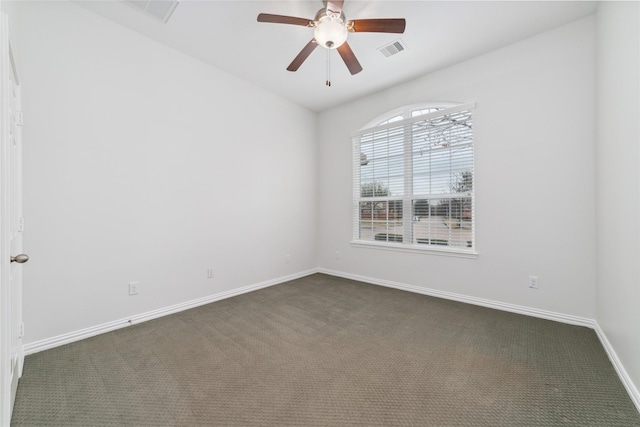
441, 152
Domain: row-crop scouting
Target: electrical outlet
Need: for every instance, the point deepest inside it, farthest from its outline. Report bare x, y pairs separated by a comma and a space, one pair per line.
134, 288
337, 254
287, 258
210, 273
533, 282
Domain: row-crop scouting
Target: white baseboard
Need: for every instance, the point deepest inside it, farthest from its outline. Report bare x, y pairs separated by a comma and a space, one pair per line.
59, 340
632, 390
70, 337
528, 311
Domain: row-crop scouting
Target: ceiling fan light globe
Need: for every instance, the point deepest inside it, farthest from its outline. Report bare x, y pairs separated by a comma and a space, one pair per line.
330, 33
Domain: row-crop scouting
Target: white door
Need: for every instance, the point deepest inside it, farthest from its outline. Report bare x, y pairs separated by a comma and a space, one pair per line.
11, 227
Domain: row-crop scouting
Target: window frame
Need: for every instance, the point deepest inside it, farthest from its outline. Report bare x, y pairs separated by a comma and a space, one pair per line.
382, 123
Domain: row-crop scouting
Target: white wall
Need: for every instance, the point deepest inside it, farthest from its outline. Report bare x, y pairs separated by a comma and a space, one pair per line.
142, 164
618, 180
535, 184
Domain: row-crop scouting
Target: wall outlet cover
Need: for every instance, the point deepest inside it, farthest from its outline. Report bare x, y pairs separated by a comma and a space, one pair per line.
134, 288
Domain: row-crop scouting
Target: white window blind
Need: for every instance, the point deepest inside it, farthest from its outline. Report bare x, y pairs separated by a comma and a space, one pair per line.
413, 180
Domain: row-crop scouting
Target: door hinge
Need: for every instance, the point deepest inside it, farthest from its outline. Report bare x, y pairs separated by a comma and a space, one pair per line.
21, 224
18, 118
21, 331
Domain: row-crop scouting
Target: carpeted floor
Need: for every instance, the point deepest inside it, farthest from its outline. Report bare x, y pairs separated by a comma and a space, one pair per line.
323, 351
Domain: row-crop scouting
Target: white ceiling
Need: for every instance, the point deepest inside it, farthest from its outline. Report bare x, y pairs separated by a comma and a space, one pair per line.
227, 35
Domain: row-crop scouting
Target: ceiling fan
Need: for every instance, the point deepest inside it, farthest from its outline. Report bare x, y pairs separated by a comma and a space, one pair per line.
331, 29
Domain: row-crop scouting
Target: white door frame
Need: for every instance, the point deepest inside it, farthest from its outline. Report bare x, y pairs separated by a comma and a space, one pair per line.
11, 349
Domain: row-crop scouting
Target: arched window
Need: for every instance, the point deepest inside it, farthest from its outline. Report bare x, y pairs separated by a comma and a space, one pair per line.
413, 180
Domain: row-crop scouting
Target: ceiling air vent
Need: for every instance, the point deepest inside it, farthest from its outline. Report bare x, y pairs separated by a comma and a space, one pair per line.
159, 9
393, 48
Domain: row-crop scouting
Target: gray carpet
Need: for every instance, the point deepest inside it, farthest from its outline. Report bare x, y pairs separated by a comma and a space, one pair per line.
323, 351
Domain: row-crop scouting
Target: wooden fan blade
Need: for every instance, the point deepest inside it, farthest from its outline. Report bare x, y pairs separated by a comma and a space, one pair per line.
349, 58
335, 5
281, 19
304, 54
377, 25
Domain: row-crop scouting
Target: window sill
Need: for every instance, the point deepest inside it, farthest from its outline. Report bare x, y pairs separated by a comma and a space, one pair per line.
398, 247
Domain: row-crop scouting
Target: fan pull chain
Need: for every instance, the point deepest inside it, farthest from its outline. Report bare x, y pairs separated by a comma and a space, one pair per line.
328, 83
